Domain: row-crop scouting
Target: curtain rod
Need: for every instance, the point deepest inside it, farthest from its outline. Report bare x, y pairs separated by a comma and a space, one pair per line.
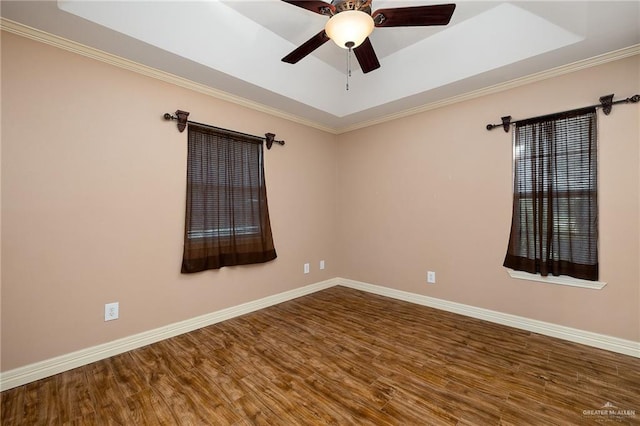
606, 103
181, 117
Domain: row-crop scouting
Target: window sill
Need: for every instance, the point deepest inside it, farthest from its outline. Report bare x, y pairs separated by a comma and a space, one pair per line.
561, 280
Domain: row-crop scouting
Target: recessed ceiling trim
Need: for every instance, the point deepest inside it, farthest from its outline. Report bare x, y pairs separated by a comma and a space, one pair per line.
78, 48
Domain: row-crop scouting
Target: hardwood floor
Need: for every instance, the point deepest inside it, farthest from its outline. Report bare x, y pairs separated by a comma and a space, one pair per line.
341, 356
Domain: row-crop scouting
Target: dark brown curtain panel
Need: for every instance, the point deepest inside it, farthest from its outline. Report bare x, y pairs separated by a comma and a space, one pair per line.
227, 220
554, 229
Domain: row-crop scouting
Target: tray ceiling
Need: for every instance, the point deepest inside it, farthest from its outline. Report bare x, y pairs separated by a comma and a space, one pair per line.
235, 46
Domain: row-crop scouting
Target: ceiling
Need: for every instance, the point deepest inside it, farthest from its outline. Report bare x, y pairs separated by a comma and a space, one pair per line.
234, 47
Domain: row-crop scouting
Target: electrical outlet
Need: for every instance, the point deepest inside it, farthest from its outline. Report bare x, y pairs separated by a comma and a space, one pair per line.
431, 277
322, 264
111, 311
306, 268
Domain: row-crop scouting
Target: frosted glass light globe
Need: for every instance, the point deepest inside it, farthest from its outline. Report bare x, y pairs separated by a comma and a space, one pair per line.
349, 26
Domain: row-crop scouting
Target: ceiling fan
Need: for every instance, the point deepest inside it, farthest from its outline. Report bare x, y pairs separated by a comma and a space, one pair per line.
351, 22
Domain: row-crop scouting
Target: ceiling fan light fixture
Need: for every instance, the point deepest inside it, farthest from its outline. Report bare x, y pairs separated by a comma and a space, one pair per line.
350, 28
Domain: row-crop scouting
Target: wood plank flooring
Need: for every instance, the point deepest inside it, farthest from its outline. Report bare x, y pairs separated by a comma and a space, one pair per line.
340, 357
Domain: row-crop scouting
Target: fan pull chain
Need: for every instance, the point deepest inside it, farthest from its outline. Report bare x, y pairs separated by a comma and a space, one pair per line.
349, 46
349, 63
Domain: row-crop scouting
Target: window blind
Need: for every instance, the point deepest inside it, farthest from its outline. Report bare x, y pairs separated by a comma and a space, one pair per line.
554, 227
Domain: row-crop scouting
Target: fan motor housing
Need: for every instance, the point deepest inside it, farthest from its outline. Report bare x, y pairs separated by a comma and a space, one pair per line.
361, 5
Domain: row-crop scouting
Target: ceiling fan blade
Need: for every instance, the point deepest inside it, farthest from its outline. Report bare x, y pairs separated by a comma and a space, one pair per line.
307, 47
366, 56
315, 6
414, 16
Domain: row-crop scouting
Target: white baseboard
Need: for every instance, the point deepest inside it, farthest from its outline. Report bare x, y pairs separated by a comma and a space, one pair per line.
614, 344
49, 367
52, 366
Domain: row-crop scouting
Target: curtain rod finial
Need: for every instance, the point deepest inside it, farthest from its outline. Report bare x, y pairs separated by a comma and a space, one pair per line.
181, 116
270, 139
506, 122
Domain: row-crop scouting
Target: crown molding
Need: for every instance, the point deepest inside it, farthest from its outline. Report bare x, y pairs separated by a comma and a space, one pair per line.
500, 87
90, 52
102, 56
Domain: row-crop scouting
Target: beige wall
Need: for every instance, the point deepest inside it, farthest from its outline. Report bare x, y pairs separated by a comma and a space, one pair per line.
93, 190
93, 204
433, 192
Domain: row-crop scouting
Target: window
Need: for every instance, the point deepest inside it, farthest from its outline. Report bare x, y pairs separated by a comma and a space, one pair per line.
554, 228
227, 220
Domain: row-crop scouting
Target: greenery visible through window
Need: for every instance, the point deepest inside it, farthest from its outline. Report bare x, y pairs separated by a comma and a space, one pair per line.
227, 219
554, 227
